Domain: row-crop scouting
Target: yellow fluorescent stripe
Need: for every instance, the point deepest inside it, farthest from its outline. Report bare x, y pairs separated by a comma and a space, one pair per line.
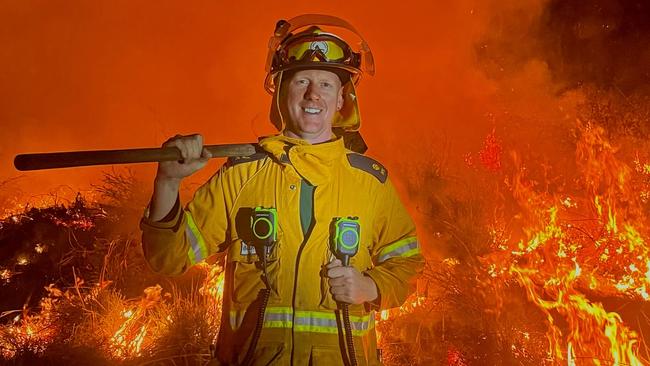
323, 315
411, 252
192, 256
397, 244
308, 314
315, 329
360, 333
313, 314
369, 319
328, 330
195, 230
279, 310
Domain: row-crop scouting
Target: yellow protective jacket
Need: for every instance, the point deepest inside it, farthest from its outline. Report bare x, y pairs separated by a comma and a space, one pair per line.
300, 324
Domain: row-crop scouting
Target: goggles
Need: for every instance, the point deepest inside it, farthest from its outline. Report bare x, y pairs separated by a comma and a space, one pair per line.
316, 47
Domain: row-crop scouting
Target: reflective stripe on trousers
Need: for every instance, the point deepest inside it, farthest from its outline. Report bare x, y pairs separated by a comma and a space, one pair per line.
307, 321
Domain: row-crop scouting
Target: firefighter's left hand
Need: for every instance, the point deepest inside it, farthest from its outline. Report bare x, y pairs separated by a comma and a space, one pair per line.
349, 285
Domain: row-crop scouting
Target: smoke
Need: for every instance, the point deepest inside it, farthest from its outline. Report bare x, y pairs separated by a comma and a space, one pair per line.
523, 73
587, 52
90, 76
605, 43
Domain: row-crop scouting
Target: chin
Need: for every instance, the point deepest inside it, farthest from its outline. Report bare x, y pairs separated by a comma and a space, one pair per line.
311, 128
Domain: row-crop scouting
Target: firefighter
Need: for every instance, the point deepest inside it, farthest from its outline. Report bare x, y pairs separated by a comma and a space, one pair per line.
303, 179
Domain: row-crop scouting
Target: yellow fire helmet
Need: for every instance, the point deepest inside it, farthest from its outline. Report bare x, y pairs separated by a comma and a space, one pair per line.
300, 43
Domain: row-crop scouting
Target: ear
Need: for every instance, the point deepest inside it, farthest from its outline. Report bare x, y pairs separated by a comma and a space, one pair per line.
340, 100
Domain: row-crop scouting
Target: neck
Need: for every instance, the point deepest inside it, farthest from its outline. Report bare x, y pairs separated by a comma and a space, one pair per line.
311, 138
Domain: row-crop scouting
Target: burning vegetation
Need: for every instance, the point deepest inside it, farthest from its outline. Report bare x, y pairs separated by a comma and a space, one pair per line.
536, 240
552, 269
76, 289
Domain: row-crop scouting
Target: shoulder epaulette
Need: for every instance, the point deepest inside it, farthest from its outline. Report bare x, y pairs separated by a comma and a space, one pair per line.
232, 161
368, 165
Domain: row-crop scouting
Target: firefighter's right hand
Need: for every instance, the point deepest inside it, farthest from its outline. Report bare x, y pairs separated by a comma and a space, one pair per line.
194, 158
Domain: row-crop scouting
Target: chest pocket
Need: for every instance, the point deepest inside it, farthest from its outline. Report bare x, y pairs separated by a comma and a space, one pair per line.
246, 266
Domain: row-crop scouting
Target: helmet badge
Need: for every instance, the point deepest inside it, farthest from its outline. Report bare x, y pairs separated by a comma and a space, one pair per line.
319, 46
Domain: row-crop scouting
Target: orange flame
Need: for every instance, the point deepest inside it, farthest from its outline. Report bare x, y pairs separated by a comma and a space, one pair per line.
128, 340
134, 334
28, 331
577, 245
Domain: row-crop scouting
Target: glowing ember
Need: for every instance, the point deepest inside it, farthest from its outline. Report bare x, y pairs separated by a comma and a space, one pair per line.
5, 274
455, 357
490, 155
29, 332
40, 248
22, 260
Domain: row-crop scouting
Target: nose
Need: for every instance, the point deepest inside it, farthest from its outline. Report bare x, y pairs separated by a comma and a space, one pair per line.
312, 93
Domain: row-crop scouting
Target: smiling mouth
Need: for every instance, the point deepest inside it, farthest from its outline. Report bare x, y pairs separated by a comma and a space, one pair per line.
312, 110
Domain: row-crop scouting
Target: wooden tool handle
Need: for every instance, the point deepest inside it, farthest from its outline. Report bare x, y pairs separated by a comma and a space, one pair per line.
104, 157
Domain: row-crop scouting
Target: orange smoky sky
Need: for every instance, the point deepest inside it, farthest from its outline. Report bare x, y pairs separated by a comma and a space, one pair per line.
84, 75
81, 75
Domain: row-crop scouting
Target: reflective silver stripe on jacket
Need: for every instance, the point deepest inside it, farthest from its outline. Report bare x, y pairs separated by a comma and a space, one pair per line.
406, 247
198, 251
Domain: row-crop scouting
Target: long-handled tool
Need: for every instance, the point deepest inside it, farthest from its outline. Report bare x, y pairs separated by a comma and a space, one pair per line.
103, 157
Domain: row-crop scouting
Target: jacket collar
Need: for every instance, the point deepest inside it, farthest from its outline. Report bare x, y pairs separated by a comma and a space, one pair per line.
315, 163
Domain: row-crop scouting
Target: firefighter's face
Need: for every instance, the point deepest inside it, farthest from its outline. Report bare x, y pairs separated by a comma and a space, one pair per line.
310, 103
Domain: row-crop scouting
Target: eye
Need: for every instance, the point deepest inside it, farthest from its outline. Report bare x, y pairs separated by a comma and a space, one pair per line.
326, 84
